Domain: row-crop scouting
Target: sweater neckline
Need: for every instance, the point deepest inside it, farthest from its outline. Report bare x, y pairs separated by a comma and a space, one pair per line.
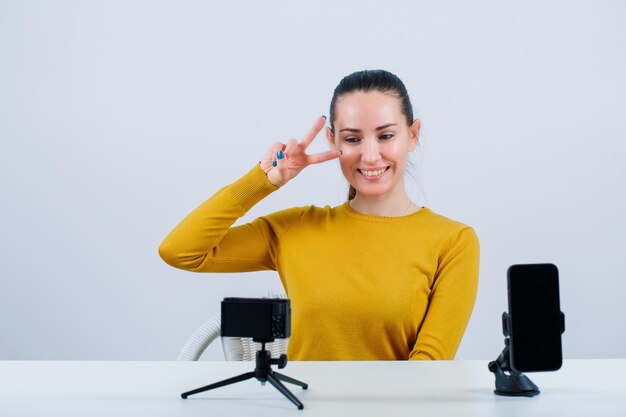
381, 219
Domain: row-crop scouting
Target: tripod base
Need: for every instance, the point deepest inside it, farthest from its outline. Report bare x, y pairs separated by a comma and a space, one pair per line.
264, 373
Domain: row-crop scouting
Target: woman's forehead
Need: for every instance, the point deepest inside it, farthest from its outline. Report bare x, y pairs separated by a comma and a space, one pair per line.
367, 108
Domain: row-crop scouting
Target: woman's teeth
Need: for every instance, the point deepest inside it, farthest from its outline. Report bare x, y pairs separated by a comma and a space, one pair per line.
372, 173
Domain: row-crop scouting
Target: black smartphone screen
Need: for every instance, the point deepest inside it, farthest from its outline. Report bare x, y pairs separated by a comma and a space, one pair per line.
536, 320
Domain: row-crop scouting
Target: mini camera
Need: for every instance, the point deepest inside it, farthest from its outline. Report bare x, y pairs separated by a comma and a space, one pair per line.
263, 319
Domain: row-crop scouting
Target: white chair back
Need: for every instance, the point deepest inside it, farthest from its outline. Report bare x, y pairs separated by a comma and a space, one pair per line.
235, 348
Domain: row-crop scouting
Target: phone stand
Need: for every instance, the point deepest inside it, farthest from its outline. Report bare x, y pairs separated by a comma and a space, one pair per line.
508, 381
264, 373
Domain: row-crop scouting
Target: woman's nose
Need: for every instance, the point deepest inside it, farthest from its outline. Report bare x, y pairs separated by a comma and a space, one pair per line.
370, 151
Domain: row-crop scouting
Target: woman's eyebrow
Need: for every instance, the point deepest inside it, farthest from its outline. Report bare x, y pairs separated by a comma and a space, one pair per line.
350, 129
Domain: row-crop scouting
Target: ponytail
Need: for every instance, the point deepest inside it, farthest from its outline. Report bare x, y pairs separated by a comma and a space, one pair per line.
351, 193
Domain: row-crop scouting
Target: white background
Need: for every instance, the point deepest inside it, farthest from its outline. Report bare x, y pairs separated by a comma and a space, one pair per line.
117, 118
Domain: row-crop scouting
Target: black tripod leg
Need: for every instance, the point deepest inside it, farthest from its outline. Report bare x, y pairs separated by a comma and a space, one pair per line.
289, 379
280, 387
233, 380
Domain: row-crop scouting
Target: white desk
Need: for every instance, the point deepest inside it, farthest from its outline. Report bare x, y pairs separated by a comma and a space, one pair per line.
590, 388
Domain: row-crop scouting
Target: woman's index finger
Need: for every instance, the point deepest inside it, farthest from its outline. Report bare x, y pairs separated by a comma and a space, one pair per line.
317, 128
323, 157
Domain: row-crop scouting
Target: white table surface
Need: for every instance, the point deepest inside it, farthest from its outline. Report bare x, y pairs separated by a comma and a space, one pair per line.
590, 388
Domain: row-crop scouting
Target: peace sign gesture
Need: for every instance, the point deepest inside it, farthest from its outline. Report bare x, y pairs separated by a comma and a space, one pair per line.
283, 162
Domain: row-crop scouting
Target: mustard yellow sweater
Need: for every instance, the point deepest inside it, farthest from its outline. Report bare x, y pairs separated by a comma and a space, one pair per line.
362, 287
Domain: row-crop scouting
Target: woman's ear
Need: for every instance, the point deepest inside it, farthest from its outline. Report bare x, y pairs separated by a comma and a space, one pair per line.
414, 133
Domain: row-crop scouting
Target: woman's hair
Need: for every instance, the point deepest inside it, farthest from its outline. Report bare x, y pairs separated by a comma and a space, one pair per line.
371, 80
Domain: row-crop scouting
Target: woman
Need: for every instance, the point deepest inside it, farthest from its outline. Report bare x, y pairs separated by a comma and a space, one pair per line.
375, 278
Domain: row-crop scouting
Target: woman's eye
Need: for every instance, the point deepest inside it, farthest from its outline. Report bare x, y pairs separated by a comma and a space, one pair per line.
386, 136
352, 140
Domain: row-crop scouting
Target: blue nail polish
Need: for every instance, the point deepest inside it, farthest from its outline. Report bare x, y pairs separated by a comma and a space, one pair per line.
280, 155
274, 163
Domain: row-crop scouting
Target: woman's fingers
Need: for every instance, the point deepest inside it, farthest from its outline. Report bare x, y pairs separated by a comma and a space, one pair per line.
291, 146
282, 161
324, 156
280, 164
267, 162
278, 173
315, 130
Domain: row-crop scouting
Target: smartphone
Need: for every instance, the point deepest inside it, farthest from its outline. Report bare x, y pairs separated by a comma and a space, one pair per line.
536, 321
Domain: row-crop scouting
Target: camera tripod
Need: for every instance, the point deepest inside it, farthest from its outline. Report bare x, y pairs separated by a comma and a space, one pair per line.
264, 373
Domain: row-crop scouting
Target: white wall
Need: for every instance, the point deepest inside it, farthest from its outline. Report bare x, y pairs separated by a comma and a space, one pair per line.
119, 117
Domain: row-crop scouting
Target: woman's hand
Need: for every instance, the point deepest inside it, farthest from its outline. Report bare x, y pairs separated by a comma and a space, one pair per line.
282, 162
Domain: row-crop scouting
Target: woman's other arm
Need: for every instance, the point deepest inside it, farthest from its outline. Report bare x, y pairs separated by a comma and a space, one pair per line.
451, 300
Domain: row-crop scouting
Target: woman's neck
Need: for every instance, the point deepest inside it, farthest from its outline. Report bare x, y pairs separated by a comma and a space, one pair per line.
384, 206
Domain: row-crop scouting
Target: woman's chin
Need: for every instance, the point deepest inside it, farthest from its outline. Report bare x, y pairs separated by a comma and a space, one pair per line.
371, 191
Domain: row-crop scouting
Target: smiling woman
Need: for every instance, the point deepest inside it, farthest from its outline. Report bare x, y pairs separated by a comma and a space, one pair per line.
374, 154
372, 279
367, 98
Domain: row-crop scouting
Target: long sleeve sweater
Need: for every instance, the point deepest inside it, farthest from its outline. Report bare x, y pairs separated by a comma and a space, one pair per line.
362, 287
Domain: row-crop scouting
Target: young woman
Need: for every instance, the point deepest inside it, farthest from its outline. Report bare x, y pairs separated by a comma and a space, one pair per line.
372, 279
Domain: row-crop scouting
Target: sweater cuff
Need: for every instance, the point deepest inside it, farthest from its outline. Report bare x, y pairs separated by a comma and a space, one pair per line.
252, 188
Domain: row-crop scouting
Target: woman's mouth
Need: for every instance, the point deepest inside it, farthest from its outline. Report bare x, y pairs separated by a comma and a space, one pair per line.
373, 173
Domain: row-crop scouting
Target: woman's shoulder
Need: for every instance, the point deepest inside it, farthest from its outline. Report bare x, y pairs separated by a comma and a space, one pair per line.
443, 220
447, 227
298, 213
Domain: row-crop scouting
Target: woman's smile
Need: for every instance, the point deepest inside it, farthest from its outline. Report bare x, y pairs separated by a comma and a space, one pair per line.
372, 174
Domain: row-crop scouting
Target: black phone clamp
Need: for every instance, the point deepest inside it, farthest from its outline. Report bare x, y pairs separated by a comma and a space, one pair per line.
510, 382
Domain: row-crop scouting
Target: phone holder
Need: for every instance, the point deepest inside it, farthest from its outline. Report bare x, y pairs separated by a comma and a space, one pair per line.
510, 382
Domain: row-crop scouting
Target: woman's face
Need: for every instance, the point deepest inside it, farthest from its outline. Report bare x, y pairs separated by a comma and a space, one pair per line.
372, 133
